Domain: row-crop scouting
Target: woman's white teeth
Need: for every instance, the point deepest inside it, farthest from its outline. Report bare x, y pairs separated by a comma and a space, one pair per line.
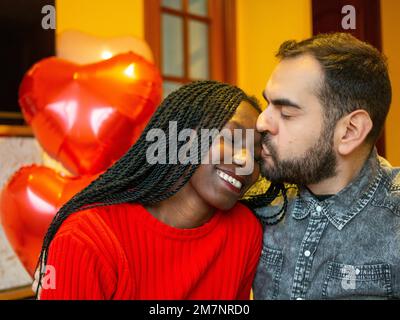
228, 178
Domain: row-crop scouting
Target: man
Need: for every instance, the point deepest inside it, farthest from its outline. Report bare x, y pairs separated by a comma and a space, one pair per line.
339, 237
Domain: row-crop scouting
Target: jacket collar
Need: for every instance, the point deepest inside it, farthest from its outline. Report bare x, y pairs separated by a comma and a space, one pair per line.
345, 205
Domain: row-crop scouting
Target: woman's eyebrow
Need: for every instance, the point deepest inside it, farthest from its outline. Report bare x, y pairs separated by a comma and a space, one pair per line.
236, 124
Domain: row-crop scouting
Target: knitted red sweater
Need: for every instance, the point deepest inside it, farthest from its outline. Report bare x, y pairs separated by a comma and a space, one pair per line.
123, 252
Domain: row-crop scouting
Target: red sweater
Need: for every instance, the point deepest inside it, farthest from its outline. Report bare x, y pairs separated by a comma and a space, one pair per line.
123, 252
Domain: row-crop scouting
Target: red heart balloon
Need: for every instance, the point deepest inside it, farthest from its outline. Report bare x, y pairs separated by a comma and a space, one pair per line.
28, 204
87, 116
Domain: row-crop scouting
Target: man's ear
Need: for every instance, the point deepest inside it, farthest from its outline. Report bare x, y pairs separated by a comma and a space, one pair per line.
352, 130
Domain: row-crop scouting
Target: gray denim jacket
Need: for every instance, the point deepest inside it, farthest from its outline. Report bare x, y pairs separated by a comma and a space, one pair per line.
344, 247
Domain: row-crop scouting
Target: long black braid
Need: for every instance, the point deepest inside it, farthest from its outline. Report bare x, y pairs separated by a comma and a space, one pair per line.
255, 202
132, 179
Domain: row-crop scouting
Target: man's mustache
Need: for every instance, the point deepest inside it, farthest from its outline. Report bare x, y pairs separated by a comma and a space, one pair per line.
264, 138
266, 142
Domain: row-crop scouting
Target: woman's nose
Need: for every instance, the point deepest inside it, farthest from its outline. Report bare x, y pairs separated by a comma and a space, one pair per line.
244, 161
241, 157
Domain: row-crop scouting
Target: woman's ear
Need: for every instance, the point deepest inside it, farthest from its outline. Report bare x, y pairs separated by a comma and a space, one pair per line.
352, 131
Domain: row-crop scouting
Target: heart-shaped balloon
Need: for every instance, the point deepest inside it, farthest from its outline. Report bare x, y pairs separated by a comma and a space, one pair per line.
87, 116
28, 204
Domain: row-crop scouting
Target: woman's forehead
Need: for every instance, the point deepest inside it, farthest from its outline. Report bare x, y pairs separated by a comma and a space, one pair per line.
245, 116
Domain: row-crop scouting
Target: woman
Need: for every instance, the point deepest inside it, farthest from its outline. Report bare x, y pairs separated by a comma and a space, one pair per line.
165, 231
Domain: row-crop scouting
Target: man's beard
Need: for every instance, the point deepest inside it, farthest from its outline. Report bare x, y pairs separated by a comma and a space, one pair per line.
318, 162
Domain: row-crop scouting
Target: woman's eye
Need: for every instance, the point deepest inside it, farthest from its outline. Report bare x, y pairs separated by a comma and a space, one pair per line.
284, 116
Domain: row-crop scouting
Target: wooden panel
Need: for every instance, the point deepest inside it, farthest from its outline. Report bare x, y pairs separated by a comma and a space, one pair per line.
17, 293
152, 28
16, 131
230, 41
327, 17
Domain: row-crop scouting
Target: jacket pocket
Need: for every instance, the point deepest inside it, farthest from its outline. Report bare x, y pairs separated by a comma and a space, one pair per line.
268, 276
344, 281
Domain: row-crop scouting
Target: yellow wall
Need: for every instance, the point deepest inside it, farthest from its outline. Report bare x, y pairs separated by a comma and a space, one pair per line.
390, 10
261, 27
101, 17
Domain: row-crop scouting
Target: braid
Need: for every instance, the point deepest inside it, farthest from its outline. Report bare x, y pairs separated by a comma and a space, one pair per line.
262, 200
132, 179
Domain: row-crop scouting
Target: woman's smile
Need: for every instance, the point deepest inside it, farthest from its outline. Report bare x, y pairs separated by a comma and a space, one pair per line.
231, 180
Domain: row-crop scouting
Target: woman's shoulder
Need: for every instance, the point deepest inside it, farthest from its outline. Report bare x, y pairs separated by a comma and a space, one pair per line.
93, 231
244, 212
244, 217
82, 221
97, 218
93, 225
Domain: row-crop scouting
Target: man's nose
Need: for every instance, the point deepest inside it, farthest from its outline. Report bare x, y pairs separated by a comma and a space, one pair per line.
266, 123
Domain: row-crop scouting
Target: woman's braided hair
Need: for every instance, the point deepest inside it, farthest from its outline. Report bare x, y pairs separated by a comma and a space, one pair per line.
132, 179
259, 201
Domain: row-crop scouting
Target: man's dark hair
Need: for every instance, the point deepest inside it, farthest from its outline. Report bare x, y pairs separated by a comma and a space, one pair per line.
132, 179
355, 77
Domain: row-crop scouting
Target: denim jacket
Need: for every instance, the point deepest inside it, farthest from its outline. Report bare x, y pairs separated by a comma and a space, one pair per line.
344, 247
